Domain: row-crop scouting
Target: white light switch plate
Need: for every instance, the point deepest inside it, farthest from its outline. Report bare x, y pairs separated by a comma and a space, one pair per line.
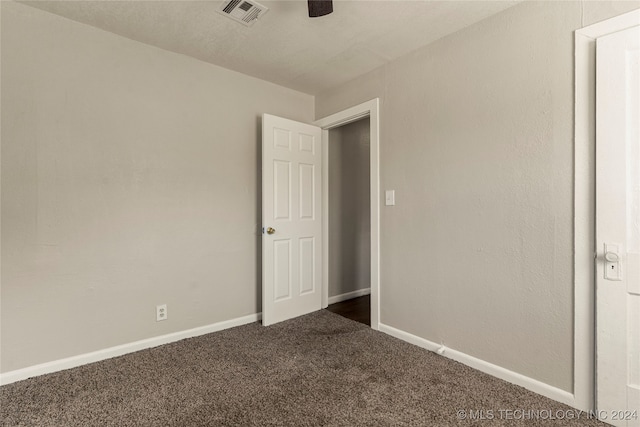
390, 198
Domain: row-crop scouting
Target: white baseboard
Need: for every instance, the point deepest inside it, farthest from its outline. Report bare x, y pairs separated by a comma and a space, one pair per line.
108, 353
96, 356
483, 366
349, 295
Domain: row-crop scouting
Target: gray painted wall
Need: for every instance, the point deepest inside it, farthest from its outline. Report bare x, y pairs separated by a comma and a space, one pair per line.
130, 178
477, 141
349, 208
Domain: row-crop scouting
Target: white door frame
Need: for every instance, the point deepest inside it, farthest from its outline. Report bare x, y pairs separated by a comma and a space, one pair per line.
366, 109
584, 203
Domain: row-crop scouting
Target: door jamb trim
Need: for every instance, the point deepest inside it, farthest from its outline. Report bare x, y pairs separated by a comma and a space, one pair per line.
369, 109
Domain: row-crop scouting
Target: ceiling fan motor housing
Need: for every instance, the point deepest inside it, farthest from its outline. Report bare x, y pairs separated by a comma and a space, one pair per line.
319, 8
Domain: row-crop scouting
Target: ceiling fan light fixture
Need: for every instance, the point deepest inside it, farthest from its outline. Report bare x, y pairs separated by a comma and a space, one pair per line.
319, 8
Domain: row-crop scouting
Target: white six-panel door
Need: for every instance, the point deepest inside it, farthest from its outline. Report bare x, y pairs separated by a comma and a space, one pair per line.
618, 228
291, 219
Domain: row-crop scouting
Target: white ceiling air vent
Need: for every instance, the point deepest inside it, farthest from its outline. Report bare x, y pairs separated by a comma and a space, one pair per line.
245, 12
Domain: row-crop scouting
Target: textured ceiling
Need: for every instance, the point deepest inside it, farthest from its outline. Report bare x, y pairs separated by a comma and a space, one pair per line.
285, 46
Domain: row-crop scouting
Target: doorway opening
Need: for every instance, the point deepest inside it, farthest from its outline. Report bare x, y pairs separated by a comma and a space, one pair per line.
295, 213
350, 221
360, 115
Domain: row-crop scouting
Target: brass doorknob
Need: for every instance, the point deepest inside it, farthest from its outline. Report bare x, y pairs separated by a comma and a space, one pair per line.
271, 230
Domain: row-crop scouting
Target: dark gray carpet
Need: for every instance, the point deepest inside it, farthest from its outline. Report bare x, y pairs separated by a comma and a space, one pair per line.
316, 370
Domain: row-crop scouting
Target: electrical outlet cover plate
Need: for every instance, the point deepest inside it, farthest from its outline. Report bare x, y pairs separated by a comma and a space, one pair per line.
161, 312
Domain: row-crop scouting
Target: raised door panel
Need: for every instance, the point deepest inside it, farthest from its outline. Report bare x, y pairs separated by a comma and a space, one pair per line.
292, 212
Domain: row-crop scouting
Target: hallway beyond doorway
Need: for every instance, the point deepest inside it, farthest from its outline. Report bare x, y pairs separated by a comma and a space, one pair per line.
358, 309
